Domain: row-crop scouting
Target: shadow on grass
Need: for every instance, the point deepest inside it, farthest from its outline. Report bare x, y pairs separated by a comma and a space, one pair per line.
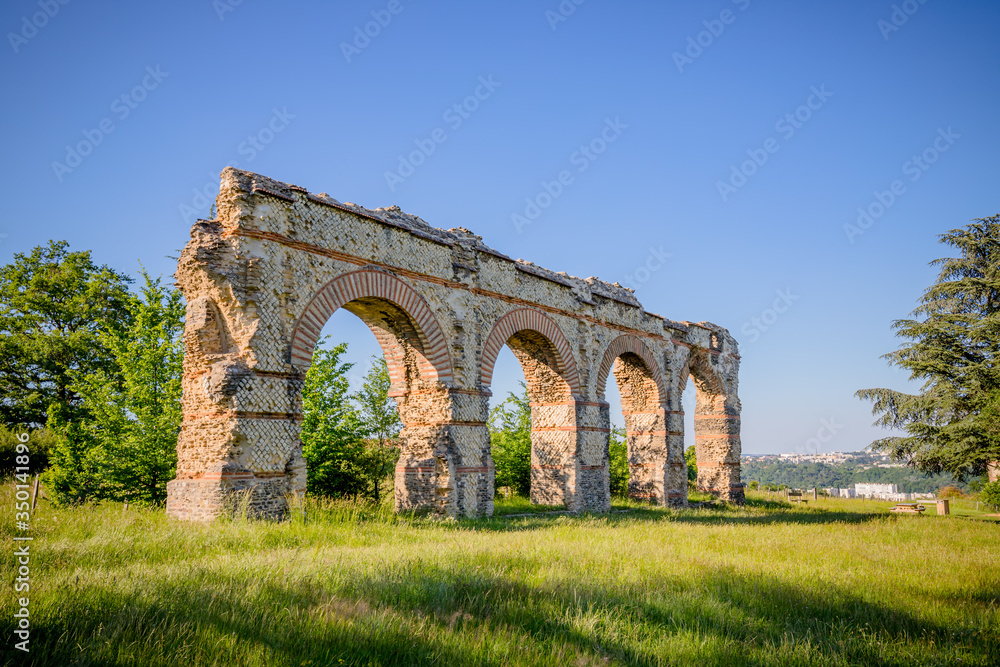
295, 625
757, 511
415, 613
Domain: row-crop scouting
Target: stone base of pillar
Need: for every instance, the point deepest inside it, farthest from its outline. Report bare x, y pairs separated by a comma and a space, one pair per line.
646, 487
593, 488
549, 484
677, 500
416, 487
209, 497
734, 495
474, 490
434, 487
677, 484
722, 480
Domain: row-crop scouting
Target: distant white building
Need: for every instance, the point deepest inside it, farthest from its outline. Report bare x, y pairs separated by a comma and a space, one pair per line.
875, 490
846, 493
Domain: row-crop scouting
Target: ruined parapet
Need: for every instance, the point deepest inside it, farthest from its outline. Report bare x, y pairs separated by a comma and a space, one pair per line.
263, 277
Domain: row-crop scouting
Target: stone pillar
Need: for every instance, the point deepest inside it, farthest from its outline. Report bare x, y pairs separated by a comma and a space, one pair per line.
717, 443
569, 455
445, 466
677, 475
993, 471
554, 444
593, 487
239, 442
649, 463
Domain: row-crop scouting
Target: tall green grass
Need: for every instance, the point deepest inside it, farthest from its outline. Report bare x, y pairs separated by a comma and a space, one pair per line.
830, 583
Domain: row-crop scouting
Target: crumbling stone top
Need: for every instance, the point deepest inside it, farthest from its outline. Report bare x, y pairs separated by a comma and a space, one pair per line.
583, 288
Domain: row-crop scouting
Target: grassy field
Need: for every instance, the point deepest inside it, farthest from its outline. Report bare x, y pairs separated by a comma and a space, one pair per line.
835, 582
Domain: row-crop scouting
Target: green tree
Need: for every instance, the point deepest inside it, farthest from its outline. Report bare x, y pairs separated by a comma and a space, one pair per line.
54, 304
510, 442
127, 446
381, 424
990, 494
691, 458
332, 433
953, 348
618, 461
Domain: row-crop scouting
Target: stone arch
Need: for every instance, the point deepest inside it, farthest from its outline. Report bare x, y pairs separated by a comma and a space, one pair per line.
435, 456
361, 293
560, 474
645, 400
523, 320
699, 368
628, 344
716, 427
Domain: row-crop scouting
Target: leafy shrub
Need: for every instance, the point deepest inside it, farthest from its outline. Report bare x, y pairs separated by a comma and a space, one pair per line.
332, 434
127, 446
950, 492
510, 442
691, 458
991, 494
618, 464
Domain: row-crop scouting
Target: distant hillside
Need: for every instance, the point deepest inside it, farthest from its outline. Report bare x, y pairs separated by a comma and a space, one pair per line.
860, 468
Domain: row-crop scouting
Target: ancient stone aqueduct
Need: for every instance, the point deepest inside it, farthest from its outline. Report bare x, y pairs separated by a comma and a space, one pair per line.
264, 276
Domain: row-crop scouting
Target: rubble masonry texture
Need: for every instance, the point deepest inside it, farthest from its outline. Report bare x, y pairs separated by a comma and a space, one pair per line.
263, 277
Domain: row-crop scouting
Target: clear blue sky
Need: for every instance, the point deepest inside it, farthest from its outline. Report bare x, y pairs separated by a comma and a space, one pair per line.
211, 78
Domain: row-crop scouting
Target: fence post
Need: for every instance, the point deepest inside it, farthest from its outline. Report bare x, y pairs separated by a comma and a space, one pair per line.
34, 493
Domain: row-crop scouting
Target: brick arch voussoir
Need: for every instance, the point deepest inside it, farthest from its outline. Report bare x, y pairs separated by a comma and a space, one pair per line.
699, 367
625, 344
528, 319
368, 283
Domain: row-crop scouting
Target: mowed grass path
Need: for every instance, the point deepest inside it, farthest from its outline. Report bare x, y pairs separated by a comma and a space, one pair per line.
831, 583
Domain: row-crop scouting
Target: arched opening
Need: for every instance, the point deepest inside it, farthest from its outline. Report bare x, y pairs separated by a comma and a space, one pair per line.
688, 402
350, 434
418, 367
644, 407
550, 378
716, 429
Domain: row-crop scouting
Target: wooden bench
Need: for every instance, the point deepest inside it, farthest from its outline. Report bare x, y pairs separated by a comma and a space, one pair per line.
908, 508
795, 496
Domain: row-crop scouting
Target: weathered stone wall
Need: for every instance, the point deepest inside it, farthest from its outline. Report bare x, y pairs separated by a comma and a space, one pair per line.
263, 277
